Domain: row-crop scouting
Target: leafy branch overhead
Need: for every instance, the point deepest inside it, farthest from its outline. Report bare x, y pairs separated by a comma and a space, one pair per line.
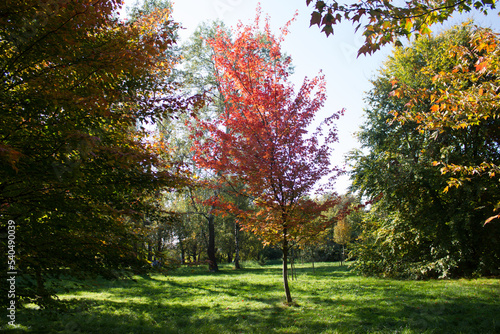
384, 22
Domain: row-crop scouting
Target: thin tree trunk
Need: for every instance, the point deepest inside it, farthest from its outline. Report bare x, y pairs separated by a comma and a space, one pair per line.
285, 267
237, 246
292, 263
194, 254
292, 266
210, 244
212, 261
150, 252
41, 291
183, 251
159, 244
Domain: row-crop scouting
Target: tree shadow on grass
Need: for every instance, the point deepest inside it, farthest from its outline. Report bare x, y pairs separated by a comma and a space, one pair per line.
403, 309
456, 316
186, 291
460, 315
338, 301
114, 317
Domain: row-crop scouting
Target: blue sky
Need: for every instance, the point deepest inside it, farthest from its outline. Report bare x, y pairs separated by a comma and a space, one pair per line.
348, 77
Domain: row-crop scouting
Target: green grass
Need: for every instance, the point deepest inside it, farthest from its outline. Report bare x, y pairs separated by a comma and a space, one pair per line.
330, 300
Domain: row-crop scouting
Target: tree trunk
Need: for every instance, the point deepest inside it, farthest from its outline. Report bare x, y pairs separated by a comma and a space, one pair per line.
150, 252
292, 268
285, 267
159, 243
237, 246
292, 264
42, 293
183, 251
342, 256
212, 261
194, 254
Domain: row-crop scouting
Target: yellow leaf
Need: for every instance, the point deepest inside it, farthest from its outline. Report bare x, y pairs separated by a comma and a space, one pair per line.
491, 218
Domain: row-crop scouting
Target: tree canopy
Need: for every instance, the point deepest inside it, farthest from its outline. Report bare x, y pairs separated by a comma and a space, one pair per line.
462, 94
77, 174
418, 226
260, 140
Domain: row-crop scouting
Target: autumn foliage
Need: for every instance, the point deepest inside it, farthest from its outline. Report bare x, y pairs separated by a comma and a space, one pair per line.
386, 22
461, 96
261, 138
432, 124
76, 173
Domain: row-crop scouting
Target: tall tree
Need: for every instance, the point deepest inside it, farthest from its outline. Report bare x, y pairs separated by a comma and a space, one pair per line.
415, 229
261, 140
464, 96
77, 174
342, 236
387, 21
199, 75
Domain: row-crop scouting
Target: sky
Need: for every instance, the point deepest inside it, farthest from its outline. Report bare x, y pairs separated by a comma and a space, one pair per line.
348, 76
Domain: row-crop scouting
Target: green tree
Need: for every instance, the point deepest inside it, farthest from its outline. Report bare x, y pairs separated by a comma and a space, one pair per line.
193, 203
414, 227
465, 97
77, 175
199, 75
348, 216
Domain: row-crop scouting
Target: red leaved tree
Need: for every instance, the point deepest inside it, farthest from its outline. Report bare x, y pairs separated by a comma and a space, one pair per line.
261, 138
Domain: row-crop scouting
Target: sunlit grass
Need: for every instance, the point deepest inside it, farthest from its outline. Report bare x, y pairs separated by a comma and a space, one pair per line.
329, 300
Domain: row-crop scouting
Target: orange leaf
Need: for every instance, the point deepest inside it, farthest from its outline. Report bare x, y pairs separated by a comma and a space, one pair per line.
435, 108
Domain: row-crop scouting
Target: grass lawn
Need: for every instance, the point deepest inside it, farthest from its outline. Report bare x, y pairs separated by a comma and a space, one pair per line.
329, 300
